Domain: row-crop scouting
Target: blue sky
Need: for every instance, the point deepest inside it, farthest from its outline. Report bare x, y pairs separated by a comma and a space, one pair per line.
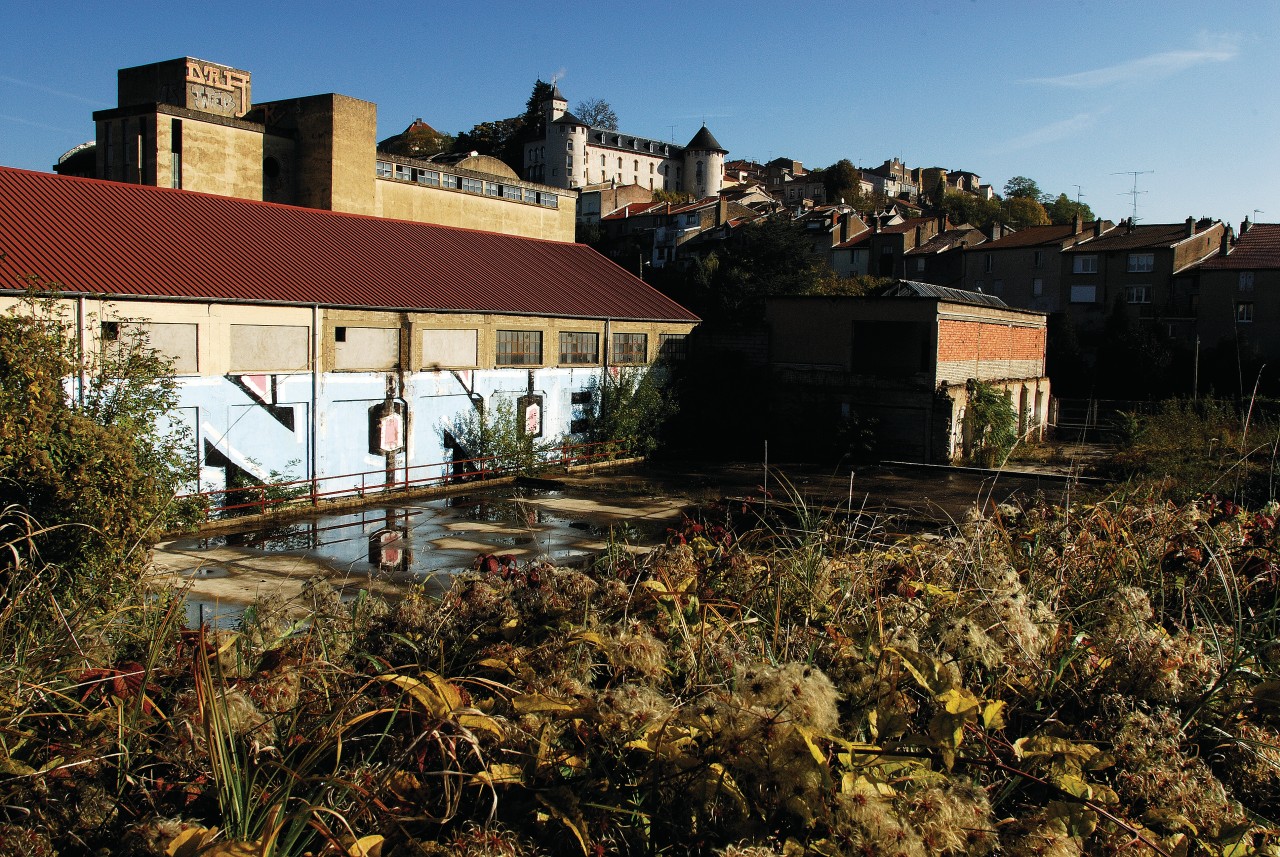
1068, 92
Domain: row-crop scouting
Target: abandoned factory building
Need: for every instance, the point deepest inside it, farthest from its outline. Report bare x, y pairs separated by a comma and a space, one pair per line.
314, 344
192, 124
889, 373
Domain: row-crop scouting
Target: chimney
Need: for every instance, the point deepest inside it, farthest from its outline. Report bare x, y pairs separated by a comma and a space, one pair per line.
919, 235
1228, 235
722, 211
942, 223
1097, 228
1128, 226
1245, 226
1077, 224
1191, 227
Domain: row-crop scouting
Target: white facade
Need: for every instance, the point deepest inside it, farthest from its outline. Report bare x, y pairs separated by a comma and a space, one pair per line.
572, 154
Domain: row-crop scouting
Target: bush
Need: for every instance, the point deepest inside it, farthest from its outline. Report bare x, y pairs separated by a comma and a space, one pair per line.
93, 470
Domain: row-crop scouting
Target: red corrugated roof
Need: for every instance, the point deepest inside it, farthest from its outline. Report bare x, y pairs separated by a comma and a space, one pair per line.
128, 240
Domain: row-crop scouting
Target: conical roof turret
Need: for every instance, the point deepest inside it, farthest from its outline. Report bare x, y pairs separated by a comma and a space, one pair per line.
705, 141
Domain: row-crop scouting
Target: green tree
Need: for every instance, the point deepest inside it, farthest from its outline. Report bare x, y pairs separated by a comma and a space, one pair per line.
597, 113
505, 138
1022, 211
842, 180
1064, 209
765, 258
633, 407
94, 472
963, 207
1021, 187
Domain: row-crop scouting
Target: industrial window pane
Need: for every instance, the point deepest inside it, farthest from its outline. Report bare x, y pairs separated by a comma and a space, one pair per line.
630, 347
672, 346
579, 348
519, 348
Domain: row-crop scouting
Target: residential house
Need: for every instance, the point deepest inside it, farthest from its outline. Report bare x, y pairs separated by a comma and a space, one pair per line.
940, 260
889, 244
1239, 306
600, 199
1024, 267
1149, 270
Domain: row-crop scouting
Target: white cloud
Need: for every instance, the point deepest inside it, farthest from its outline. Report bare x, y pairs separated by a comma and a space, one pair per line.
1153, 67
1051, 133
50, 91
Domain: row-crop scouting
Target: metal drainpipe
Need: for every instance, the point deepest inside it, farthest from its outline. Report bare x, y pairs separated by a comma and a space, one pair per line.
80, 370
313, 441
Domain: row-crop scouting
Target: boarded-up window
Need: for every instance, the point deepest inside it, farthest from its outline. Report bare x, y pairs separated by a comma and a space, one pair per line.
366, 348
449, 348
175, 341
270, 348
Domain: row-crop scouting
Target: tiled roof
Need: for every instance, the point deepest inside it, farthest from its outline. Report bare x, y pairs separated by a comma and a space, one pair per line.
632, 209
567, 118
101, 237
864, 235
1034, 236
946, 240
1257, 248
906, 225
1153, 235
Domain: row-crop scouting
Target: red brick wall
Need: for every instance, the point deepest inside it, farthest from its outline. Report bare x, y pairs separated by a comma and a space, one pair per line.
974, 340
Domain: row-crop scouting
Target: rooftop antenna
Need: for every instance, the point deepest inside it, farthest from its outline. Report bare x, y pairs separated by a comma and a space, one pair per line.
1078, 194
1256, 212
1133, 193
673, 132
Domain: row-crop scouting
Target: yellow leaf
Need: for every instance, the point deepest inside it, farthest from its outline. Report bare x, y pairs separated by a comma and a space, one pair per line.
535, 703
589, 637
818, 755
189, 842
568, 822
993, 714
494, 664
503, 774
436, 695
481, 723
365, 846
924, 669
1074, 786
961, 702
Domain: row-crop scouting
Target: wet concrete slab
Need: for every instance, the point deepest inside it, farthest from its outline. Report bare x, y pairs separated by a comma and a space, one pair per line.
387, 548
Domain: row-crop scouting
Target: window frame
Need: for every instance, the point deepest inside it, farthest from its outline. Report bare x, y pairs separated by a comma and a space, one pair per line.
622, 350
1084, 263
1244, 312
1141, 263
1137, 294
572, 352
510, 356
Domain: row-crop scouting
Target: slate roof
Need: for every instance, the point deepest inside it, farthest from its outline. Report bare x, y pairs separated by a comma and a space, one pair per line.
704, 140
1257, 248
106, 238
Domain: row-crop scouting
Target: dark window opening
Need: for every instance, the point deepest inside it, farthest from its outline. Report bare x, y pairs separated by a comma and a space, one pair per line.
339, 334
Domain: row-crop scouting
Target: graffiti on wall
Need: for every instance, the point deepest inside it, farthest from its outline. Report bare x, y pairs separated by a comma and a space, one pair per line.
217, 89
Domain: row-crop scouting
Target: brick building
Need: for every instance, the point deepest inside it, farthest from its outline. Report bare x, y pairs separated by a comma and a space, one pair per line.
897, 365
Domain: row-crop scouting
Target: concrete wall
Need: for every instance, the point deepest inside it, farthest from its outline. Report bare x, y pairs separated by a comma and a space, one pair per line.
251, 400
425, 204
